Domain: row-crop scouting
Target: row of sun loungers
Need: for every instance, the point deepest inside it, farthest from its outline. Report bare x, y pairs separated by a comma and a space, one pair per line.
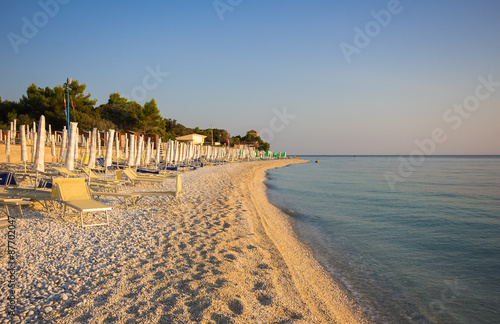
78, 190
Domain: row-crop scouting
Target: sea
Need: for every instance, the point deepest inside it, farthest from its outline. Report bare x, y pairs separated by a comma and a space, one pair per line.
412, 241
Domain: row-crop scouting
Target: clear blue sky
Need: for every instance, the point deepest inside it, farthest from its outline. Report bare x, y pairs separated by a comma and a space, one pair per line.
281, 56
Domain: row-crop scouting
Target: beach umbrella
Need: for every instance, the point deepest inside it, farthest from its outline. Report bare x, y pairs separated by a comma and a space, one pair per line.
99, 144
158, 146
53, 147
148, 151
131, 150
93, 143
39, 164
126, 146
70, 153
109, 149
24, 148
7, 147
77, 140
169, 151
64, 143
117, 141
49, 137
139, 151
87, 143
11, 132
33, 146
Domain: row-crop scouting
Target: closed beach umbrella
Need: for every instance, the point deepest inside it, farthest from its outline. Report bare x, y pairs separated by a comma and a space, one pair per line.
64, 143
158, 146
148, 151
117, 141
77, 140
126, 146
39, 164
109, 148
93, 144
24, 148
139, 151
7, 147
99, 144
11, 132
70, 154
131, 150
53, 147
170, 150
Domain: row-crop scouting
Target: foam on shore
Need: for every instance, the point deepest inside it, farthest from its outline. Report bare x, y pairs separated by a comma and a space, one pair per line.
226, 255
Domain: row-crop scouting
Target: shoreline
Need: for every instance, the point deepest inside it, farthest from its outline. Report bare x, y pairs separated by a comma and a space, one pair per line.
327, 299
226, 255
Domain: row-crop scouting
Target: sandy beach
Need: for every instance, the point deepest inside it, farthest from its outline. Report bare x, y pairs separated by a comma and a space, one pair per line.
225, 255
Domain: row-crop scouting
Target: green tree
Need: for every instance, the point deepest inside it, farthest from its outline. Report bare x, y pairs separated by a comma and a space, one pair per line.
122, 113
150, 119
51, 103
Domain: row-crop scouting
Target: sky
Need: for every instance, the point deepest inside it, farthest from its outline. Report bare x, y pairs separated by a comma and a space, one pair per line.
313, 77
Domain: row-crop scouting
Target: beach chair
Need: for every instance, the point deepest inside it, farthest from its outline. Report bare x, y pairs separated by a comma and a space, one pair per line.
134, 197
66, 172
75, 193
134, 177
14, 202
7, 179
95, 179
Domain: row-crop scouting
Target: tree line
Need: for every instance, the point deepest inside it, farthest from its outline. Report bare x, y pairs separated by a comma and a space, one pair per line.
118, 113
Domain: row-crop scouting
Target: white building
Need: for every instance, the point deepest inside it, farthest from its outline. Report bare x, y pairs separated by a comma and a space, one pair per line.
192, 138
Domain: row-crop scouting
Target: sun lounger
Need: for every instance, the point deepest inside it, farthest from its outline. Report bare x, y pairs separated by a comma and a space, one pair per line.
14, 202
75, 193
134, 177
134, 197
67, 173
41, 196
98, 180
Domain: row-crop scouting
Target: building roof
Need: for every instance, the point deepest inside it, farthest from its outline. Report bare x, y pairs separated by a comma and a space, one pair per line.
190, 137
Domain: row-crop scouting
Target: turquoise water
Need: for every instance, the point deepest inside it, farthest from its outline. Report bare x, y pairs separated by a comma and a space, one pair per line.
426, 250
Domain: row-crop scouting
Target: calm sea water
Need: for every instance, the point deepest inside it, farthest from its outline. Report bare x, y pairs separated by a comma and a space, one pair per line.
427, 250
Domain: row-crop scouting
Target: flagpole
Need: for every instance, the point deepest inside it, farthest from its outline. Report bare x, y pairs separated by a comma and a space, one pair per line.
67, 88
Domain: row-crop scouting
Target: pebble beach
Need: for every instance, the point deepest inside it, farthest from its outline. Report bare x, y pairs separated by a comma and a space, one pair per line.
224, 255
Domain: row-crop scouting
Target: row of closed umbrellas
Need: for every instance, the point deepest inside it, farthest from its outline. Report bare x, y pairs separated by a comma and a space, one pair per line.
137, 152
